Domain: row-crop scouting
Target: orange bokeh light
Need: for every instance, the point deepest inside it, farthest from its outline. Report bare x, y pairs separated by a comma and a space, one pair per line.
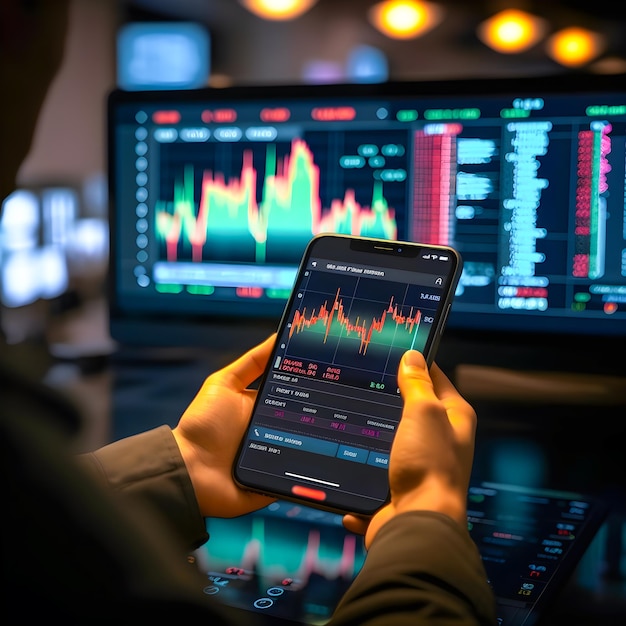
405, 19
575, 46
512, 31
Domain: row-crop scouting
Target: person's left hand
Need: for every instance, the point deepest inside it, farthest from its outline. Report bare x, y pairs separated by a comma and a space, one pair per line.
210, 431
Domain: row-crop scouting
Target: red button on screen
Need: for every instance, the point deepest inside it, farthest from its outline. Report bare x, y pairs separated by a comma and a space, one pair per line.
307, 492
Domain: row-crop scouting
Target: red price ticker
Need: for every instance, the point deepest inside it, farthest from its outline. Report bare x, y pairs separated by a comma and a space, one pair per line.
166, 117
279, 114
531, 292
219, 115
333, 114
249, 292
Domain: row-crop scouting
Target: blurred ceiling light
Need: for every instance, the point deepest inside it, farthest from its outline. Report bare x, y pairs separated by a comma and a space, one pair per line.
278, 9
405, 19
609, 65
575, 46
512, 31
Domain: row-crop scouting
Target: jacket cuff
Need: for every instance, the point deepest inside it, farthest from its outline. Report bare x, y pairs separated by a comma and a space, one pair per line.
149, 469
422, 568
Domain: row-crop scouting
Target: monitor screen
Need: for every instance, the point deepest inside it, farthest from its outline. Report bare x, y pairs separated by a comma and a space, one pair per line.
215, 192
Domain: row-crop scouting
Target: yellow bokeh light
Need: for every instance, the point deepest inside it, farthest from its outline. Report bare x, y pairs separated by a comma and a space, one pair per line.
278, 9
511, 31
575, 46
405, 19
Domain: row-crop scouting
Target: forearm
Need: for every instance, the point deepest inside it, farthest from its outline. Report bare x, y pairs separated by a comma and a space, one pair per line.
421, 569
149, 469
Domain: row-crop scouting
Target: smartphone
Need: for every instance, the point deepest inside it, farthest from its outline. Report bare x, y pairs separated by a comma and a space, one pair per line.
328, 404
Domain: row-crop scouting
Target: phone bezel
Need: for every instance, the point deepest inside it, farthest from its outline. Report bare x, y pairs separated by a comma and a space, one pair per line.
365, 245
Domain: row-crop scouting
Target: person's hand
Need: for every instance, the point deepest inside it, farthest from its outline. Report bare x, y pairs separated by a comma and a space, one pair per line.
210, 430
433, 450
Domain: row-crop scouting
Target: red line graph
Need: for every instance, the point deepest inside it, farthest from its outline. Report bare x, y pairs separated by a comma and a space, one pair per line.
362, 327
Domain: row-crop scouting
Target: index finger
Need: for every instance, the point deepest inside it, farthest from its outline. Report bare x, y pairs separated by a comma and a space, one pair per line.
460, 412
419, 384
443, 386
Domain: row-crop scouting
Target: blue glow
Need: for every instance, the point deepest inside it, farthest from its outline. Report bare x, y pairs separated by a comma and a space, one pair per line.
367, 64
162, 55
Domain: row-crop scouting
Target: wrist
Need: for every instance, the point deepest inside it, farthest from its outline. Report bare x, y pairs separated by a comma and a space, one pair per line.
190, 459
433, 498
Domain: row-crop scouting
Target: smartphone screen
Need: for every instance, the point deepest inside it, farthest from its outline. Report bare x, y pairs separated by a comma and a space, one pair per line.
329, 404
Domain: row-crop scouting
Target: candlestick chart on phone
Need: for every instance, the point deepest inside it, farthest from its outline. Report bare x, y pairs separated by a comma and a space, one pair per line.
357, 325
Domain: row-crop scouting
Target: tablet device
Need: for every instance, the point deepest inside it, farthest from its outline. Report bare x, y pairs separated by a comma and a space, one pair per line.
530, 541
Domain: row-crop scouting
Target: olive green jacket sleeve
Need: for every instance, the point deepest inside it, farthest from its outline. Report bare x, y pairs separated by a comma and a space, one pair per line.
149, 468
422, 569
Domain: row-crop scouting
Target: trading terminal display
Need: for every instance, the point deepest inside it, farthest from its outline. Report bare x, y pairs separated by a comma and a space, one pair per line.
216, 195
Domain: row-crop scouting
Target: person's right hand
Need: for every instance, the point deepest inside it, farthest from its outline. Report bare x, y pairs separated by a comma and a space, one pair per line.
432, 452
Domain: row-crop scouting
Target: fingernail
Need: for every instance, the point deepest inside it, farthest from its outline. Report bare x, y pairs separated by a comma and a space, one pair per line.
413, 358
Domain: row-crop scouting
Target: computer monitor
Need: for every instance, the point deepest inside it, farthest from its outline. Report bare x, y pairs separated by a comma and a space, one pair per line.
215, 192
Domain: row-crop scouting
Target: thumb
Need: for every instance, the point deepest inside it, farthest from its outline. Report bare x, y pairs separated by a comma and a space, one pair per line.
414, 377
413, 359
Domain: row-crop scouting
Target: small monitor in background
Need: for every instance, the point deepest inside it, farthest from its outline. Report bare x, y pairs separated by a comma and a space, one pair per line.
33, 260
51, 247
162, 55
